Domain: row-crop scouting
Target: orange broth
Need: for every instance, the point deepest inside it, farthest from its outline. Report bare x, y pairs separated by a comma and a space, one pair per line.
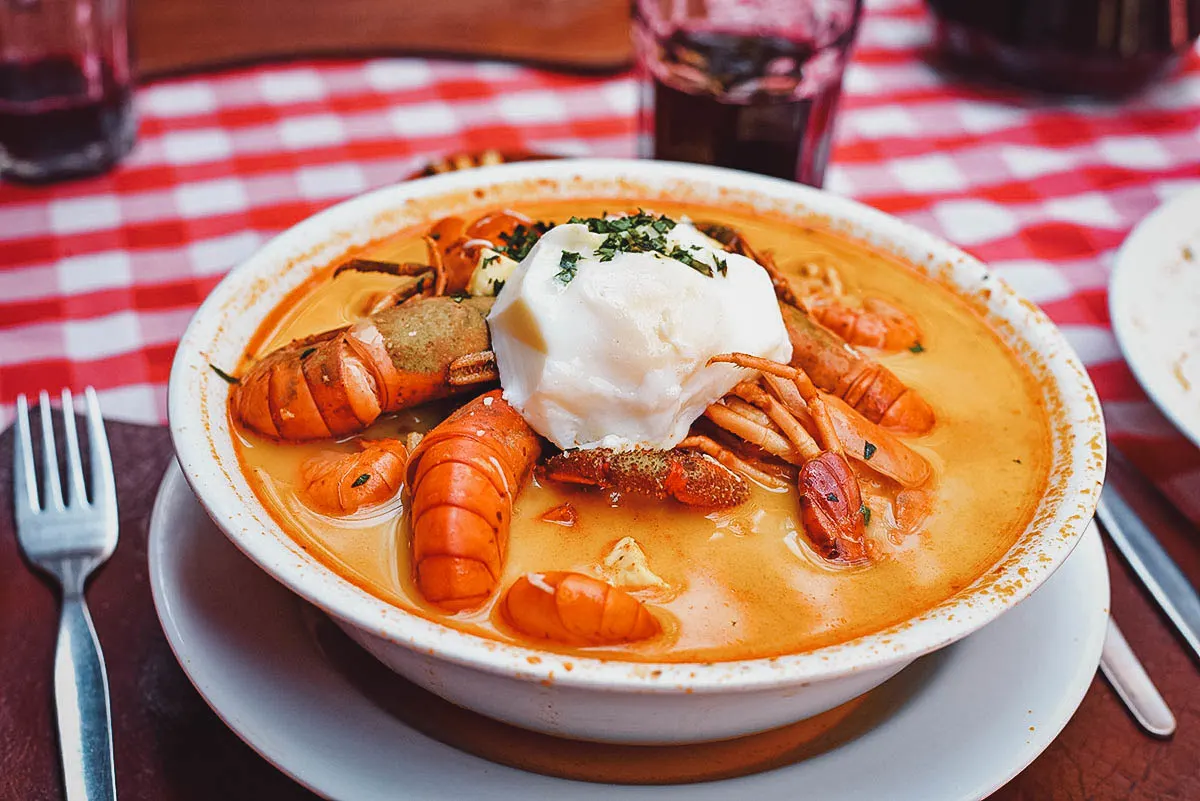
741, 583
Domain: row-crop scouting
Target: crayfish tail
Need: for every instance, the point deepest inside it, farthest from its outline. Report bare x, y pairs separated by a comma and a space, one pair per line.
463, 477
831, 509
575, 609
454, 583
308, 390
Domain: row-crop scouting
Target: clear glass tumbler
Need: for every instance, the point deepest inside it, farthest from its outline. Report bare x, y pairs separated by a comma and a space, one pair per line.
748, 84
66, 88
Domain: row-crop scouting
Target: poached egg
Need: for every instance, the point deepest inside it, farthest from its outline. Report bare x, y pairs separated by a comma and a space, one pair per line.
602, 339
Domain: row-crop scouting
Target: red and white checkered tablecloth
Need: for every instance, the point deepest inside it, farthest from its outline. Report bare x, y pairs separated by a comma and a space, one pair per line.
99, 277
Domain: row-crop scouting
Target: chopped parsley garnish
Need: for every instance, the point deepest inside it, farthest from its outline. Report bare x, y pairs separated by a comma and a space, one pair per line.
304, 354
488, 261
865, 511
459, 297
917, 348
497, 285
663, 225
518, 244
868, 450
644, 233
1016, 461
224, 375
363, 479
831, 498
567, 265
679, 254
618, 225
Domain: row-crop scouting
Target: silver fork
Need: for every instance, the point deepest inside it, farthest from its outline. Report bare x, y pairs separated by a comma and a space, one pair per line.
68, 541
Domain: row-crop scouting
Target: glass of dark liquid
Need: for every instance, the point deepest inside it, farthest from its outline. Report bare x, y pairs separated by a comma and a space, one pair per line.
1090, 47
65, 88
748, 84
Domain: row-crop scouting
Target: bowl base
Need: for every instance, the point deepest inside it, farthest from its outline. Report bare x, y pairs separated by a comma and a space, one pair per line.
603, 762
600, 715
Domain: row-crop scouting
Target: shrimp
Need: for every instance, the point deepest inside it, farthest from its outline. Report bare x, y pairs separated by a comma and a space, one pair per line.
463, 478
830, 497
867, 386
833, 364
339, 484
876, 324
461, 245
574, 609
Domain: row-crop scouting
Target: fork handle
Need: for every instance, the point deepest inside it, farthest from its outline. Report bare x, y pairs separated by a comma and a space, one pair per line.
81, 702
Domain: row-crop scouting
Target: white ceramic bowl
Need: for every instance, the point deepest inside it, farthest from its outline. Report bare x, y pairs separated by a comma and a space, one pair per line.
591, 698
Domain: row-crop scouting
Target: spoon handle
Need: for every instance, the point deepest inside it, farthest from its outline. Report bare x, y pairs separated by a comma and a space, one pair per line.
1127, 676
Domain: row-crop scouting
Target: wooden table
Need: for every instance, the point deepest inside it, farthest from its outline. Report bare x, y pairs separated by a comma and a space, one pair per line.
171, 747
184, 35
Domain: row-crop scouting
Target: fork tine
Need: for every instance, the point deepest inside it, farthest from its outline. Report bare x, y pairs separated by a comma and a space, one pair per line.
104, 492
50, 483
78, 495
25, 492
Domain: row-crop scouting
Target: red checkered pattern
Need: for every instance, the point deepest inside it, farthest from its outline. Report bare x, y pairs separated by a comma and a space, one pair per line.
99, 277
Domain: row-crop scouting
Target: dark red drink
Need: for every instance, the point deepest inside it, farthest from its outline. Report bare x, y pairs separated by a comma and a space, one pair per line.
757, 101
1096, 47
56, 120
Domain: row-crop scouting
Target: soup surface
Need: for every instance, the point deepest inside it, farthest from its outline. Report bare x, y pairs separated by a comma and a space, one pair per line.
737, 583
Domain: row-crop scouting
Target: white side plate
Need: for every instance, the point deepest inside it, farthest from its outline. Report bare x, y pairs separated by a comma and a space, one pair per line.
1154, 303
975, 715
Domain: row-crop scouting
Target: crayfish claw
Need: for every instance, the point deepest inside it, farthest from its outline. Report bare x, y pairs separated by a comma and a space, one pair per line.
474, 368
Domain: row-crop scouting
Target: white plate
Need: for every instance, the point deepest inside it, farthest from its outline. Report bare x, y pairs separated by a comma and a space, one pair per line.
971, 717
1154, 303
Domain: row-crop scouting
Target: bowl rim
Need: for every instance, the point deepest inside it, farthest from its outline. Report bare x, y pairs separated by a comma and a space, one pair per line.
202, 439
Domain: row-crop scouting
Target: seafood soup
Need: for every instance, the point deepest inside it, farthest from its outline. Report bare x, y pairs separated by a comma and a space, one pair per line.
678, 435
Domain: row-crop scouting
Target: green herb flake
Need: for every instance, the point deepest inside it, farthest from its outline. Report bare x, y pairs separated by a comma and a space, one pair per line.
226, 377
831, 498
488, 261
868, 450
679, 254
304, 354
865, 511
721, 264
497, 285
1016, 461
568, 263
518, 244
917, 348
459, 297
363, 479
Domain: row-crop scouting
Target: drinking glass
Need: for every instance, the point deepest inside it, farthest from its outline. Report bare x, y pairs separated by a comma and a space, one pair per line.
748, 84
1092, 47
65, 88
